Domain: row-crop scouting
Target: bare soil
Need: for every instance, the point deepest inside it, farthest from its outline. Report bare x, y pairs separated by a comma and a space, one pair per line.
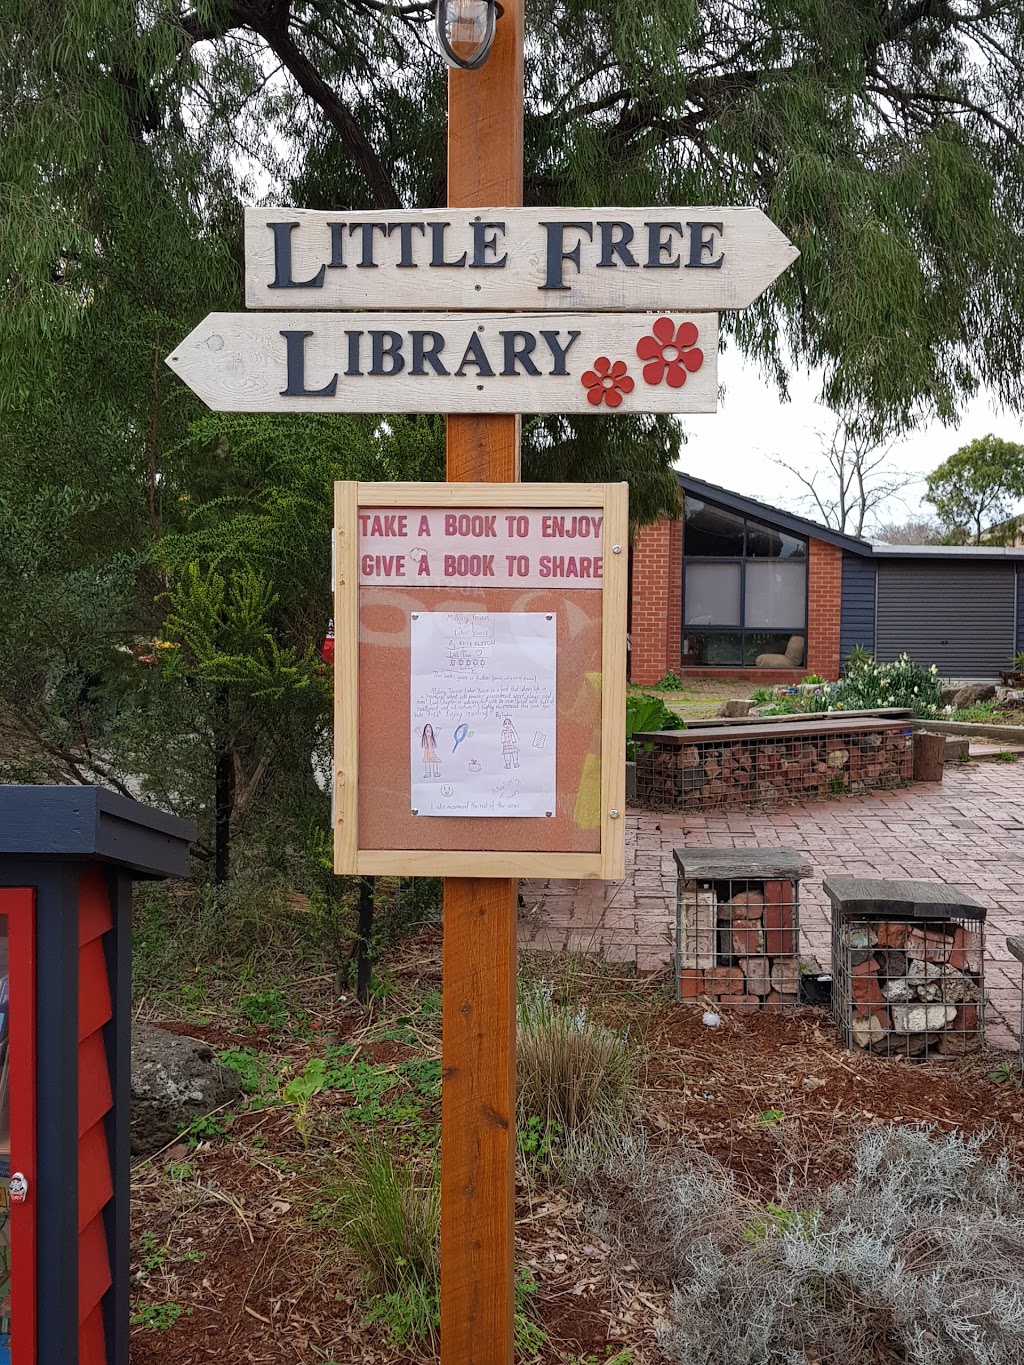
231, 1231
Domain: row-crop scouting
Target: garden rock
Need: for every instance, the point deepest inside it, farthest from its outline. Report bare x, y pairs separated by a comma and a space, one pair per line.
922, 1018
735, 707
971, 693
932, 982
867, 1030
174, 1081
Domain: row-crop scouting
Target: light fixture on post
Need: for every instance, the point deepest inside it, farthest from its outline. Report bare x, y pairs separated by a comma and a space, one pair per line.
465, 31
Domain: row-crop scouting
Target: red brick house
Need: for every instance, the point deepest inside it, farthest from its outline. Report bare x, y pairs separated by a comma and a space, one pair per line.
735, 588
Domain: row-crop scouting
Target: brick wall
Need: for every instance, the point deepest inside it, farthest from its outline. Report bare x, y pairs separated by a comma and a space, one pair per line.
824, 599
656, 608
657, 600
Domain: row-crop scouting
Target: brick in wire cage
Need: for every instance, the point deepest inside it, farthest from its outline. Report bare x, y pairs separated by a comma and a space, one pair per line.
741, 764
908, 963
738, 926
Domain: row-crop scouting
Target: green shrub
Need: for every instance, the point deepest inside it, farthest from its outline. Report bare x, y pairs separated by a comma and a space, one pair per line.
671, 682
867, 686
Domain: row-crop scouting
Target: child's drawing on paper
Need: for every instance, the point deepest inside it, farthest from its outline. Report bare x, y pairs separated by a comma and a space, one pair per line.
509, 744
483, 684
431, 762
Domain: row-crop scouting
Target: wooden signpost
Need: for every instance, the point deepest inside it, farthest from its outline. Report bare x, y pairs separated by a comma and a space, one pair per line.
609, 259
452, 362
494, 310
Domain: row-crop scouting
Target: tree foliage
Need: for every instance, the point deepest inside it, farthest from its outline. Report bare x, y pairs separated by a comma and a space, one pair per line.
881, 135
978, 483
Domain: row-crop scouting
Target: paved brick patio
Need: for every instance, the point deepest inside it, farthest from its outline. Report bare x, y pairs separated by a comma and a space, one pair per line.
967, 831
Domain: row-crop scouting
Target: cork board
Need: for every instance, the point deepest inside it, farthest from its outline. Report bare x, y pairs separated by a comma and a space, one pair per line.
376, 829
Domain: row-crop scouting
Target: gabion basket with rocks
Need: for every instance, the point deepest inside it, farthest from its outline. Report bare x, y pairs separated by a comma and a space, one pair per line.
907, 967
738, 926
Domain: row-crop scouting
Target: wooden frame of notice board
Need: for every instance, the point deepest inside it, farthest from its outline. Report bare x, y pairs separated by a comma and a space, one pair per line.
375, 829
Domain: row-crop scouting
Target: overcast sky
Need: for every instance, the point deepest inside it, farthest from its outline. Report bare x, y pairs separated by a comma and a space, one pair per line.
734, 447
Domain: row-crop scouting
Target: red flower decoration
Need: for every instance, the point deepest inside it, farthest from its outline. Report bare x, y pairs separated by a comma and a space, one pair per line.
671, 353
607, 382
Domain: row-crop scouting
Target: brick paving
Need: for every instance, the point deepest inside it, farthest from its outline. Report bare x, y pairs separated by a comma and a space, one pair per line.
967, 831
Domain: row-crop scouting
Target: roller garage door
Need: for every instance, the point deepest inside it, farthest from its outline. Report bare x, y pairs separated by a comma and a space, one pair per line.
956, 614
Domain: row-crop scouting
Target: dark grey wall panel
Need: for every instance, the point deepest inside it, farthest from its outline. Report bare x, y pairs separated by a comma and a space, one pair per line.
960, 616
1020, 607
857, 612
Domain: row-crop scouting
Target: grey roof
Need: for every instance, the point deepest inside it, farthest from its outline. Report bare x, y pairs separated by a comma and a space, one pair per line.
881, 549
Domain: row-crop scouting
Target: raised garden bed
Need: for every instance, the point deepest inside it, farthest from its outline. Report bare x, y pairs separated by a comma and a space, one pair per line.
768, 764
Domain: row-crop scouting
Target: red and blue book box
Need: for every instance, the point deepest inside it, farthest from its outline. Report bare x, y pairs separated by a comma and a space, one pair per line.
68, 858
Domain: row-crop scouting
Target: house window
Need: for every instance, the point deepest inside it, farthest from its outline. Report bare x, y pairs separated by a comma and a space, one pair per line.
744, 589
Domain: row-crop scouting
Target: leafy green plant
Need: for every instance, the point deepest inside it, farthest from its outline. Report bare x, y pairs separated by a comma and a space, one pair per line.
1006, 756
528, 1333
152, 1252
812, 678
265, 1007
777, 1220
258, 1073
671, 682
770, 1118
205, 1127
645, 714
158, 1317
300, 1090
1004, 1072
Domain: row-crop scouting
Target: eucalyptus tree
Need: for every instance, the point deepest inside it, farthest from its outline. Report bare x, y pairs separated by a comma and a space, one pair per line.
883, 136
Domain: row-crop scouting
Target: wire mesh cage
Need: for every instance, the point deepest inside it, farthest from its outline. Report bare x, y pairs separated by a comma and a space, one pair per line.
907, 967
1015, 947
738, 926
742, 765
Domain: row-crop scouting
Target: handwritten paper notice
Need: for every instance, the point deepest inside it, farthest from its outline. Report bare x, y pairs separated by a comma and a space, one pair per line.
483, 713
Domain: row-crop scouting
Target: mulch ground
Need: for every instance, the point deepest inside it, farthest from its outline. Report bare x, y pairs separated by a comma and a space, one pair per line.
230, 1231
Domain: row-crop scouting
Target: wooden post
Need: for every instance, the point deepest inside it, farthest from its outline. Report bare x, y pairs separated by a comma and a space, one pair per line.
478, 1138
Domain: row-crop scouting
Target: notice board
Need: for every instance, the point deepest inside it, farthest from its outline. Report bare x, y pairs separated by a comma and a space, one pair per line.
480, 662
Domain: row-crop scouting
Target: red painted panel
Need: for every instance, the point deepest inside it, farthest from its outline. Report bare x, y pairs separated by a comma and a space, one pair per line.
19, 905
93, 1267
93, 989
95, 1186
92, 1346
94, 1093
94, 914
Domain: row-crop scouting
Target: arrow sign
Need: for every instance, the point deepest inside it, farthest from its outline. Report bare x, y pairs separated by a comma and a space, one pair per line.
443, 362
667, 259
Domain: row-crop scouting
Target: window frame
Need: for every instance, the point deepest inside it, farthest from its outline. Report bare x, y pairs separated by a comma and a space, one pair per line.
743, 630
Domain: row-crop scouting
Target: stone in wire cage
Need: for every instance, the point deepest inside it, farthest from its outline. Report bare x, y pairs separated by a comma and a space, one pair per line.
907, 967
738, 926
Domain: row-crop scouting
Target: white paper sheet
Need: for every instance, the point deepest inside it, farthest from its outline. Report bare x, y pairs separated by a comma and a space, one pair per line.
483, 713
